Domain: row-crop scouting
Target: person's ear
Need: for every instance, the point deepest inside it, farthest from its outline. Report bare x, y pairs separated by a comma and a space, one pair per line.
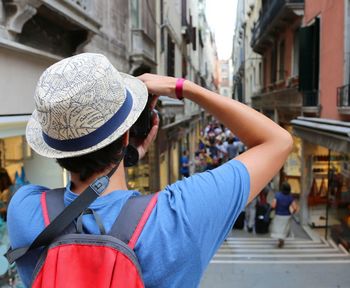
126, 139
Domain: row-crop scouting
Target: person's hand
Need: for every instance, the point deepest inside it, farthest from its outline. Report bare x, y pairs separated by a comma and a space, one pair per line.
159, 85
142, 145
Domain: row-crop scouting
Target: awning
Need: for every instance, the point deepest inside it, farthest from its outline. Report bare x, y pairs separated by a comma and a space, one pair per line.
165, 100
333, 134
11, 126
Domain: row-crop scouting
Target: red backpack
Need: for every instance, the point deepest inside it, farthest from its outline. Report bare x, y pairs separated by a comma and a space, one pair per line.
75, 259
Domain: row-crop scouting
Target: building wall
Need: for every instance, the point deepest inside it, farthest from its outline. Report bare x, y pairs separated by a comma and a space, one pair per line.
51, 174
22, 63
19, 74
194, 59
238, 53
114, 39
347, 43
288, 36
332, 23
226, 78
252, 59
197, 65
207, 55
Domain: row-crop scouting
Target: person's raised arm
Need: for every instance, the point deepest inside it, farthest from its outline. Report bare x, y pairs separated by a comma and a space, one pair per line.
268, 144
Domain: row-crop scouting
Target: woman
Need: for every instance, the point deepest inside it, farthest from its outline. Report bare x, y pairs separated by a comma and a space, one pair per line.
285, 206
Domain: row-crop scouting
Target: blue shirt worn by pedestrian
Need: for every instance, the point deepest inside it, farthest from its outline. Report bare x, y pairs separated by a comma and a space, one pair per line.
184, 165
283, 203
189, 223
232, 150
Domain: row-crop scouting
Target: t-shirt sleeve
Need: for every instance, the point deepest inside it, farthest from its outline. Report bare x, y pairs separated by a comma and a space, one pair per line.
24, 223
211, 201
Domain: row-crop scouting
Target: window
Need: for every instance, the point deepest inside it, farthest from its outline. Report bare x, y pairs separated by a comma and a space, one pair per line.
347, 56
251, 85
295, 63
281, 71
184, 67
309, 51
265, 73
170, 57
162, 41
273, 65
184, 13
260, 76
135, 10
254, 78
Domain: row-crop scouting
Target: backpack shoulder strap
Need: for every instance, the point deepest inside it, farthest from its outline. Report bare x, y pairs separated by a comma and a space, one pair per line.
52, 204
132, 218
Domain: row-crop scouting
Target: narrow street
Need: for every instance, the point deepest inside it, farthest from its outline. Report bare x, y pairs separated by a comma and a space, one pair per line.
84, 98
248, 260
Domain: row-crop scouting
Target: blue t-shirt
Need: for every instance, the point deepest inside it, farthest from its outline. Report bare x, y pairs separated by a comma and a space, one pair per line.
189, 223
283, 202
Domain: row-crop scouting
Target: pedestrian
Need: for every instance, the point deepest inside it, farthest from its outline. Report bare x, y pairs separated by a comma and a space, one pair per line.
213, 152
232, 149
250, 212
262, 212
201, 145
221, 149
284, 205
239, 144
185, 164
84, 109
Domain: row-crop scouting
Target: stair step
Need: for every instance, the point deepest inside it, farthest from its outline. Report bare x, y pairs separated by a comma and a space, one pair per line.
272, 241
258, 239
276, 251
282, 255
273, 245
282, 261
263, 250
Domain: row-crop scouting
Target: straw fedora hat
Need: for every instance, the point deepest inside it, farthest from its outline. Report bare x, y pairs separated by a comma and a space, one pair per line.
83, 104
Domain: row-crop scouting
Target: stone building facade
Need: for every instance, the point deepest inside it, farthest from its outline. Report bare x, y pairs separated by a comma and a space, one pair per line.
167, 37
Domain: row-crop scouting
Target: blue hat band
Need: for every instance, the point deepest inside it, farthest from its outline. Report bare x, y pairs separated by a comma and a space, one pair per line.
97, 136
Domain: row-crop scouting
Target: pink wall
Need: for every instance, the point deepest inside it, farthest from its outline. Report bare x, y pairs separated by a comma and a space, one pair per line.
288, 36
331, 13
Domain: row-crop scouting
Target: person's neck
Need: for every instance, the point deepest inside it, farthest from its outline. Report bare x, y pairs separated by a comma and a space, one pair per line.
116, 182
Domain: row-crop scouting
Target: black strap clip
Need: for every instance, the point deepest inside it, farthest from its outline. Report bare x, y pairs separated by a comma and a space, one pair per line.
100, 184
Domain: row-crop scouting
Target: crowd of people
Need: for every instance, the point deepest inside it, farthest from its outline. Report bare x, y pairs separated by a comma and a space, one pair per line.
216, 146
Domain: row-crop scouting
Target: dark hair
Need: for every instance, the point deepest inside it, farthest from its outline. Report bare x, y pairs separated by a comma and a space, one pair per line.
285, 188
94, 162
212, 140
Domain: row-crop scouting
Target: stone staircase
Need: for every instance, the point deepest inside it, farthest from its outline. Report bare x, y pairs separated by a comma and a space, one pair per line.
264, 250
247, 260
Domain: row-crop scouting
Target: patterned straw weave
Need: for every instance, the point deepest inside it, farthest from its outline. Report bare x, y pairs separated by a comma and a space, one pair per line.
76, 96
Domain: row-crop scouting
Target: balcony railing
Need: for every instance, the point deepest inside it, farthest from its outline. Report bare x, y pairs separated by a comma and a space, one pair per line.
343, 96
268, 14
310, 98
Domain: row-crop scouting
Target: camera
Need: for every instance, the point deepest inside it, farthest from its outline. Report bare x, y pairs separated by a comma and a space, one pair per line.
143, 124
